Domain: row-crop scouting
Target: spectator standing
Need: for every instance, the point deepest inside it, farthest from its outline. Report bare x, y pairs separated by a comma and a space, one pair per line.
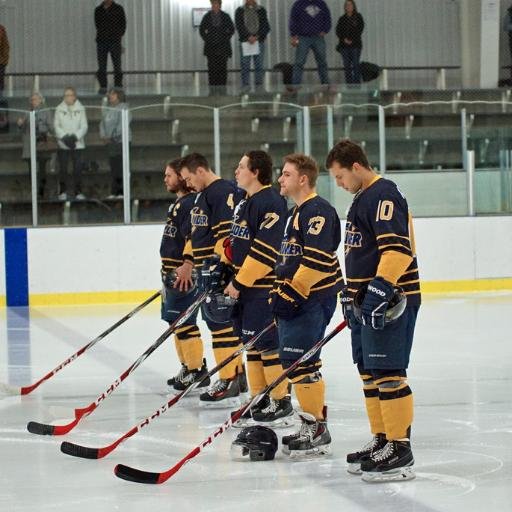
110, 21
349, 30
43, 128
70, 124
111, 132
507, 27
310, 21
252, 24
4, 56
216, 30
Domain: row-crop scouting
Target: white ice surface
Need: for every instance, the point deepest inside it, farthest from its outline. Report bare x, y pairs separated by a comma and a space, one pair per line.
461, 374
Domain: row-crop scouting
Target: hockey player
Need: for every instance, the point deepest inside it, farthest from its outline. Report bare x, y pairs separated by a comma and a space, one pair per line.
179, 290
211, 218
379, 254
304, 299
255, 239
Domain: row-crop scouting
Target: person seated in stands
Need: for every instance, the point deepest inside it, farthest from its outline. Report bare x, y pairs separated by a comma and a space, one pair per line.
43, 120
111, 129
70, 124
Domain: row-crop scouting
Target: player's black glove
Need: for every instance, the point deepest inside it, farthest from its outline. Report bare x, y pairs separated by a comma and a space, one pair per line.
287, 302
215, 275
346, 305
375, 303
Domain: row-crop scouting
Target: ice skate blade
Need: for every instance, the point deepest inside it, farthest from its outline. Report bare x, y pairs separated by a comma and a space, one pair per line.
232, 403
243, 423
395, 475
354, 468
319, 451
287, 421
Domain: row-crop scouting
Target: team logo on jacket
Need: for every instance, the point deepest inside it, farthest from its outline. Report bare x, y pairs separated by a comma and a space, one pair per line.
240, 230
353, 237
290, 248
198, 218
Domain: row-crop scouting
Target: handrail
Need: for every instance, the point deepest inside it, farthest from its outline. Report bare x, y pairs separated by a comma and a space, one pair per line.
187, 71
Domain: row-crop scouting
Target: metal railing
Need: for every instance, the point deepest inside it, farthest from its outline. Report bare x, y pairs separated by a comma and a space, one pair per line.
197, 76
304, 136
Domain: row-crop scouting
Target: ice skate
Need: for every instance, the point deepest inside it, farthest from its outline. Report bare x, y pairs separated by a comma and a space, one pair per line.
191, 377
223, 393
354, 459
392, 463
246, 420
179, 376
277, 413
313, 438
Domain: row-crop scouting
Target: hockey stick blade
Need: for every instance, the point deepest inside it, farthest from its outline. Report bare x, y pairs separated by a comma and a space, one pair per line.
75, 450
85, 452
41, 429
136, 475
6, 389
147, 477
57, 430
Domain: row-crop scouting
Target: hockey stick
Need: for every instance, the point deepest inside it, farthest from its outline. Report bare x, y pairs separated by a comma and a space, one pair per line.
85, 452
147, 477
57, 430
11, 390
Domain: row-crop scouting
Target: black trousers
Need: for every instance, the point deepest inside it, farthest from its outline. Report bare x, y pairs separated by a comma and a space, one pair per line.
2, 79
102, 50
70, 183
116, 174
41, 174
217, 70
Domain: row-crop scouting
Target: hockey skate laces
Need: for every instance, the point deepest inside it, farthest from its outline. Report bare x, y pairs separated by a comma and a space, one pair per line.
271, 407
384, 453
220, 385
370, 445
307, 430
181, 373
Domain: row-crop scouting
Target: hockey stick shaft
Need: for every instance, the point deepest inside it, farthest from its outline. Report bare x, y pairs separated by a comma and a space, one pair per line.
98, 453
136, 475
25, 390
55, 430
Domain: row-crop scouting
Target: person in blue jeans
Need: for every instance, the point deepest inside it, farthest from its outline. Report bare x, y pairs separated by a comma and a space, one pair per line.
310, 21
349, 29
304, 297
252, 25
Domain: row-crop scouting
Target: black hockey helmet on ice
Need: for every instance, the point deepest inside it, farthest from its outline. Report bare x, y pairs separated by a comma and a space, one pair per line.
257, 442
169, 279
395, 309
218, 308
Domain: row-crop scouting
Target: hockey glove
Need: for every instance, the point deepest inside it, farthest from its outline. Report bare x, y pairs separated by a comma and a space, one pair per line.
376, 301
215, 275
346, 305
287, 302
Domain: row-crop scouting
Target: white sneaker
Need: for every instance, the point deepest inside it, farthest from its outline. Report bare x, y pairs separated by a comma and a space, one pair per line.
111, 196
63, 196
80, 197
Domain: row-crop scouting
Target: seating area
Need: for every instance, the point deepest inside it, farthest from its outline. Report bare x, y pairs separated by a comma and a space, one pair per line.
423, 130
